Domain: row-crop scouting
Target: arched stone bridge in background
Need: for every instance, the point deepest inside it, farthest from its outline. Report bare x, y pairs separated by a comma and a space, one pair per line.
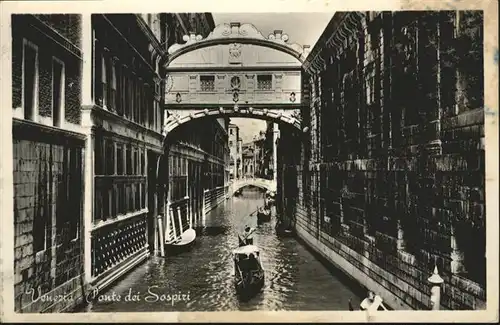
263, 183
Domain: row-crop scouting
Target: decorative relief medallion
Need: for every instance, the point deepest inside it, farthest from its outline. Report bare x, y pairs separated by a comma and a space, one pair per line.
235, 82
178, 98
235, 53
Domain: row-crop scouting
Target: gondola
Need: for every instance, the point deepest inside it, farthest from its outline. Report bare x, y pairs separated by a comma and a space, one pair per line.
248, 271
282, 230
263, 215
182, 242
180, 235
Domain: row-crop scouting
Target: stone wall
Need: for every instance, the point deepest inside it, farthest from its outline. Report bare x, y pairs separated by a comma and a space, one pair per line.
48, 248
392, 173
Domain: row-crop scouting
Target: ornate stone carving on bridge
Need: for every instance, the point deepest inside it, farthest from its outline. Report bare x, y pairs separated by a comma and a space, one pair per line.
237, 33
235, 53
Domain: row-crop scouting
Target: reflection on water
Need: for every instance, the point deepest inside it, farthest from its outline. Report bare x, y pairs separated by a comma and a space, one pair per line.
295, 279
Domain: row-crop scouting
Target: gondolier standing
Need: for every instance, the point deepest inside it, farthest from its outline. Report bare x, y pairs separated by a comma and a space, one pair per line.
247, 237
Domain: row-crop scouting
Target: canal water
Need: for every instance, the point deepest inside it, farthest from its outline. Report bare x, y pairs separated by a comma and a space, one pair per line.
202, 279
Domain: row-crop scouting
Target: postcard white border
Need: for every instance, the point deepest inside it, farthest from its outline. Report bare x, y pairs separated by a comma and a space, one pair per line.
490, 8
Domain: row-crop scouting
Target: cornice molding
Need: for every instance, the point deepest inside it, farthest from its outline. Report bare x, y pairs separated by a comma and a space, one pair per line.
342, 26
154, 43
50, 32
238, 33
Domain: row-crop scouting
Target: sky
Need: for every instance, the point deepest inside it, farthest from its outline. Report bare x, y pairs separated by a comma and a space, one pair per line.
303, 28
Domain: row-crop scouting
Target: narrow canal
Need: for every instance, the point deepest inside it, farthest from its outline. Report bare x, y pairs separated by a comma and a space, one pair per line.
295, 278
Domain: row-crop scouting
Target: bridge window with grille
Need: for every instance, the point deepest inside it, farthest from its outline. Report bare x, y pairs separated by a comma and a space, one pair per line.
265, 82
207, 83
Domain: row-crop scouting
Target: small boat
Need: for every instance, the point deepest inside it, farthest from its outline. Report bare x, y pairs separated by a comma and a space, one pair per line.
185, 239
263, 215
180, 235
238, 192
248, 271
283, 230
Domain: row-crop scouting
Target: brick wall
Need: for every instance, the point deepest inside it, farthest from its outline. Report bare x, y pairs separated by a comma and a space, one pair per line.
402, 166
47, 217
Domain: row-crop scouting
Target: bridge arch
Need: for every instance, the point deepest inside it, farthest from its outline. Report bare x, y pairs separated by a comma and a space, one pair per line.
262, 183
286, 116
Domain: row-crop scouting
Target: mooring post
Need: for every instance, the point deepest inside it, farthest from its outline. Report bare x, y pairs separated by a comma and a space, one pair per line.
435, 280
162, 239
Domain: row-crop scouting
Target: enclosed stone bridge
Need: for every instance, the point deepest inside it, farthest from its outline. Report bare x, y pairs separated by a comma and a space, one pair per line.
235, 72
265, 184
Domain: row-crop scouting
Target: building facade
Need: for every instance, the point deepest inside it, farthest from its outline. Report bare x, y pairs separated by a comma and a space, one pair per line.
198, 162
391, 178
269, 151
235, 152
48, 170
248, 156
198, 176
88, 115
123, 117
